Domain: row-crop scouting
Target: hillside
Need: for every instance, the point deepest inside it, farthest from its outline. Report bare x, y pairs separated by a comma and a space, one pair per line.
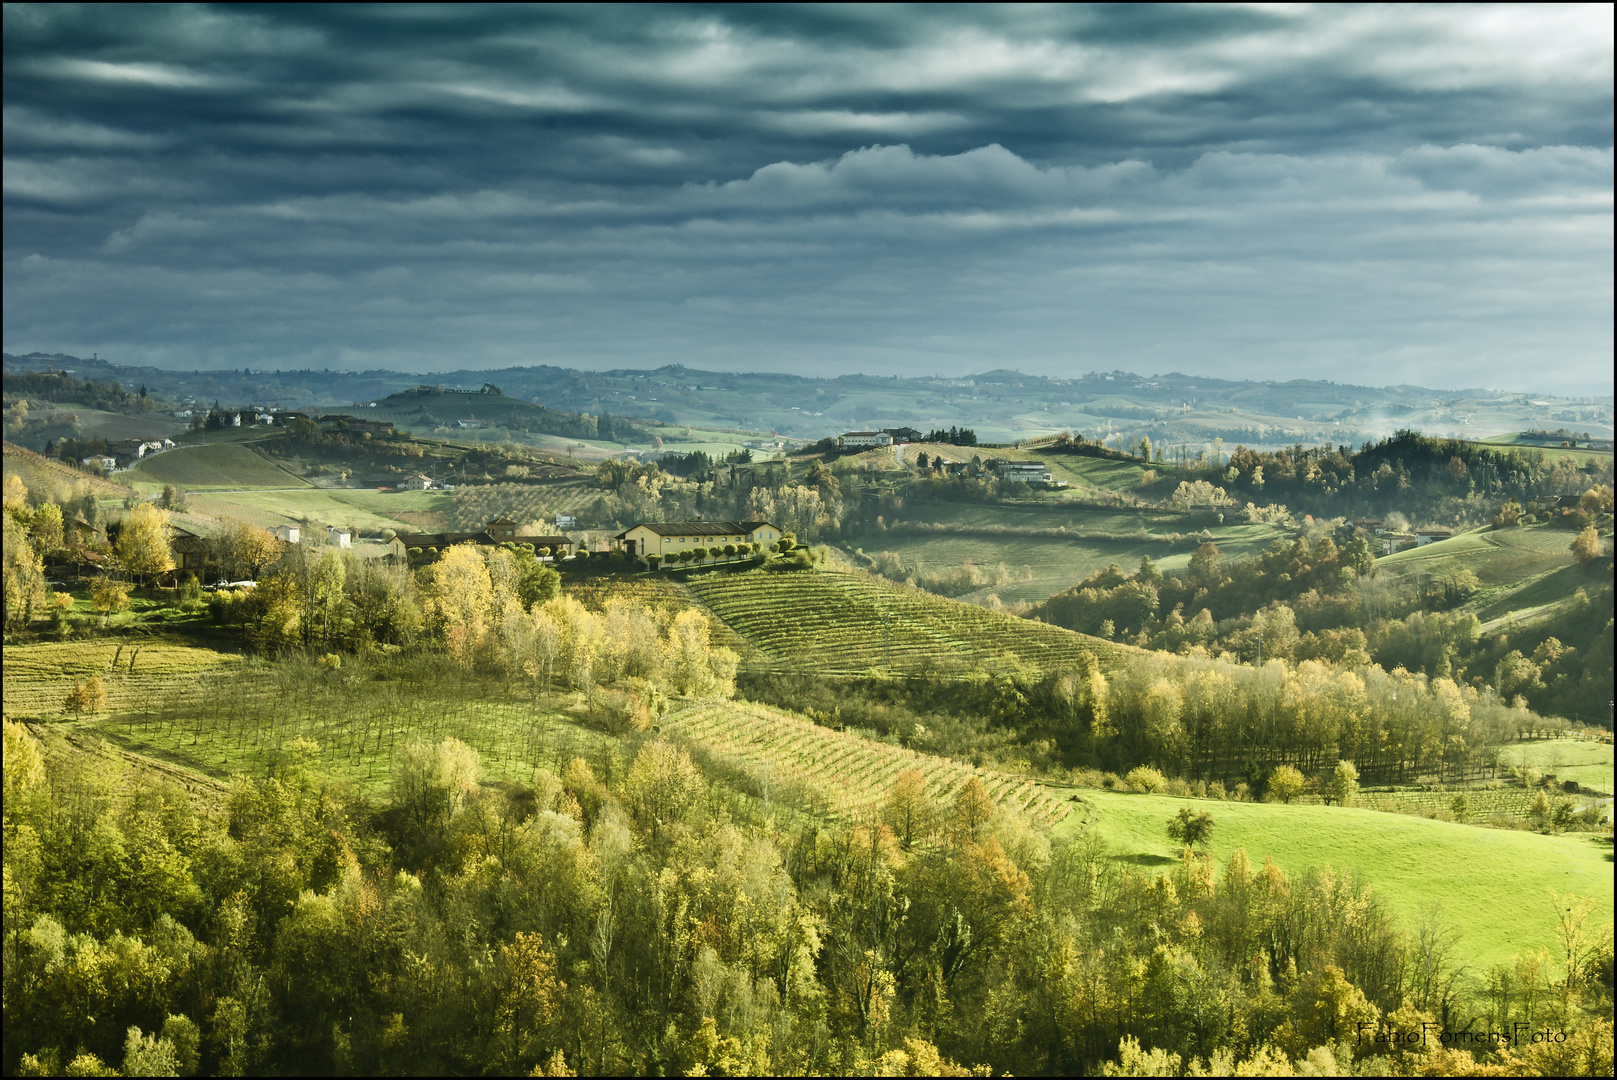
45, 474
1524, 571
1475, 874
218, 465
834, 621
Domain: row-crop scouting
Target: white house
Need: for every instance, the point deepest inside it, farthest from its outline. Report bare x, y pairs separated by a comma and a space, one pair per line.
864, 438
289, 533
339, 536
565, 521
418, 482
105, 461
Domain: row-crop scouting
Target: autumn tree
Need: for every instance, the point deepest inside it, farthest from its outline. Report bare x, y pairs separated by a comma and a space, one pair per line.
908, 810
1586, 546
972, 809
85, 696
143, 542
24, 575
243, 550
1344, 786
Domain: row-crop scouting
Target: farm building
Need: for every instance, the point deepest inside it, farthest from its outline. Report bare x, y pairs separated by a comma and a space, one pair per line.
418, 482
1431, 536
191, 552
287, 533
493, 533
850, 439
672, 537
339, 536
904, 434
1023, 472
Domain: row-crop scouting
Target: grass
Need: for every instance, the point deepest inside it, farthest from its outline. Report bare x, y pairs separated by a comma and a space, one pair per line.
38, 675
1048, 548
835, 621
220, 465
1522, 570
112, 426
364, 509
1587, 762
1493, 884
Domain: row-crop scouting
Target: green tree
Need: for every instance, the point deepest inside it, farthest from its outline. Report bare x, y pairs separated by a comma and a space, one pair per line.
1286, 783
1344, 786
1190, 827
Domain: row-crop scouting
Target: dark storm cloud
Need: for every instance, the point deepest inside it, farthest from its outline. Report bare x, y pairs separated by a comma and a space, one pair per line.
1417, 194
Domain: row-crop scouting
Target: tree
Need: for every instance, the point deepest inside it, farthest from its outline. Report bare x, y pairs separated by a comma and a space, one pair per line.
243, 550
85, 696
1204, 562
24, 574
143, 542
908, 810
1190, 827
109, 597
1586, 546
1286, 783
972, 809
654, 561
47, 528
1344, 786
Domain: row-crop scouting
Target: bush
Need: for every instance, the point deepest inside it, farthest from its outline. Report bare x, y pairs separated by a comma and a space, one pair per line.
1145, 779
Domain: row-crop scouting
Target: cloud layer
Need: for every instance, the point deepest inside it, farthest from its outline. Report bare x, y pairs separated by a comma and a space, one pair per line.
1367, 194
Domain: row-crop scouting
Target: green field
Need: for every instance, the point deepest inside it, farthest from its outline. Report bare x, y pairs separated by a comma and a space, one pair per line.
834, 621
1589, 763
364, 509
112, 426
220, 465
1048, 548
1492, 884
1524, 571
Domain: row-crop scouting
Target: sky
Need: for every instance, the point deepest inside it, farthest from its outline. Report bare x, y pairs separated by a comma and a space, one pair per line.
1375, 195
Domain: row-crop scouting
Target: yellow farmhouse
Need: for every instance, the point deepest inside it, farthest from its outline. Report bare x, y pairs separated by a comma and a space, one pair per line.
671, 537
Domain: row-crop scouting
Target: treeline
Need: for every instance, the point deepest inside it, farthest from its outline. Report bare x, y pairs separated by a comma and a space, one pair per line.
1193, 717
635, 913
809, 503
1318, 600
1423, 478
61, 387
489, 609
954, 436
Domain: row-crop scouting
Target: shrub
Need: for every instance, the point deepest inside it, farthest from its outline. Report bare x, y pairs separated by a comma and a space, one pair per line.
1145, 779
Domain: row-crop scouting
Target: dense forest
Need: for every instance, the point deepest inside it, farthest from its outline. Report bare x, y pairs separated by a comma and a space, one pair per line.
637, 912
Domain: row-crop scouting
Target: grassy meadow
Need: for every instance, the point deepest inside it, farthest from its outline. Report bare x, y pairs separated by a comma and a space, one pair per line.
218, 465
1493, 884
1586, 762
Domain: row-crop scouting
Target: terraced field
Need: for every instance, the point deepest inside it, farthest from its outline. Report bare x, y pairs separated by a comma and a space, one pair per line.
660, 591
38, 675
40, 473
845, 775
846, 622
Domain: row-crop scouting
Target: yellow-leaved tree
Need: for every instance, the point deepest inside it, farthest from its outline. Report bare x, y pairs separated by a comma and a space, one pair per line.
143, 543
